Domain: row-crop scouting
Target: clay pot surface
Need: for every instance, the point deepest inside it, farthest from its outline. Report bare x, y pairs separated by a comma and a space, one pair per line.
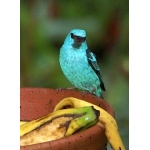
37, 102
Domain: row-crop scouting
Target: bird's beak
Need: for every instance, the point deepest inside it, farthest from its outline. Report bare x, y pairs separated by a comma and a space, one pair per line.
79, 40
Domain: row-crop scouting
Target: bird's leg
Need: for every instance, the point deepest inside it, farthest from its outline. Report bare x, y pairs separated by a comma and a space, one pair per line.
93, 90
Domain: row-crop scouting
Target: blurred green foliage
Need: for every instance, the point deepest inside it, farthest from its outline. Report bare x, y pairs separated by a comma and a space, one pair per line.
43, 28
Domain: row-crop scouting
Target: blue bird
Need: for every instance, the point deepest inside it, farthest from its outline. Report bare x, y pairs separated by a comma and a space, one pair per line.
79, 64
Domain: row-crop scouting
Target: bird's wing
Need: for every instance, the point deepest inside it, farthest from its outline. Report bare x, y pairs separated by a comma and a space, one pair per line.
92, 61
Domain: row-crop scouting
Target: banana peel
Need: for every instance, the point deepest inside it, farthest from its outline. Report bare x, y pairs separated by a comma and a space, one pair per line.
106, 121
22, 122
47, 132
58, 124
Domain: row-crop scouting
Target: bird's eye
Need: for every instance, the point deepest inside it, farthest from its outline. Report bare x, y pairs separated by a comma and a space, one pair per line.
72, 35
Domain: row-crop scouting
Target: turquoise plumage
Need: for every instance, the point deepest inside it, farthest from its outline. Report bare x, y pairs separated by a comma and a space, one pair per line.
79, 64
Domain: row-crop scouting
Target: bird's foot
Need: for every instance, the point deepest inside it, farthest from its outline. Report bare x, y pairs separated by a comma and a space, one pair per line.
59, 89
93, 90
85, 92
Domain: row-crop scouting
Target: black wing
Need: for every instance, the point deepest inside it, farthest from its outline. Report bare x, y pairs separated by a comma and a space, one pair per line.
92, 61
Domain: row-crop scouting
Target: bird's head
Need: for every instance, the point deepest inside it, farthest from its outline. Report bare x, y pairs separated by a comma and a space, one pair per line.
76, 37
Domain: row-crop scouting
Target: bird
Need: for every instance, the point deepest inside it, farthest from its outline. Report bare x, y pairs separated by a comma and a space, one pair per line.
79, 64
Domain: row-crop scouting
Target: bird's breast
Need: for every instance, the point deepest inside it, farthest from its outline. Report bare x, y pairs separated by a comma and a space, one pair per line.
73, 62
73, 57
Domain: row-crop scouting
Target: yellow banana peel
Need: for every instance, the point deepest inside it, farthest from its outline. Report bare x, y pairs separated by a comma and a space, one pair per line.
22, 122
57, 124
105, 120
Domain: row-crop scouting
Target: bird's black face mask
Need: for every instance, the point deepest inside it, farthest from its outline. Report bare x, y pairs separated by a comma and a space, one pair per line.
78, 40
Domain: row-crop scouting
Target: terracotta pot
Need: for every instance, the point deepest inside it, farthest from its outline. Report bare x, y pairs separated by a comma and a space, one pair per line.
36, 102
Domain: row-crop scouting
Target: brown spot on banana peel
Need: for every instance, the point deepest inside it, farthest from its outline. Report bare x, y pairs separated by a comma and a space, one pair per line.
67, 106
97, 112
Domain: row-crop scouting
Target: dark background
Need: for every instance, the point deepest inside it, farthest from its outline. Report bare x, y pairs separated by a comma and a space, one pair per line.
43, 28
